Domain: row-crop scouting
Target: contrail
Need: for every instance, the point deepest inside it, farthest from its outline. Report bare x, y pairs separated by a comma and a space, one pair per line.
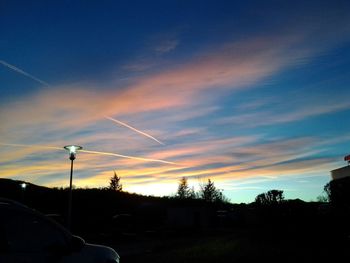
134, 129
129, 157
23, 73
32, 146
87, 151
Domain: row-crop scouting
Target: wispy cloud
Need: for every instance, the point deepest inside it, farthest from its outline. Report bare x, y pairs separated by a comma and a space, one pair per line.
166, 46
173, 98
296, 112
22, 72
231, 67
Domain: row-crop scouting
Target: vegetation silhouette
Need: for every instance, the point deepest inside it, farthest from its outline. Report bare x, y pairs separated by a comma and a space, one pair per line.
209, 193
114, 183
272, 197
184, 191
147, 229
338, 192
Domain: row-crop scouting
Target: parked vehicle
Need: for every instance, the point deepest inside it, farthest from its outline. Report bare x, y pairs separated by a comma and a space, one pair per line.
28, 236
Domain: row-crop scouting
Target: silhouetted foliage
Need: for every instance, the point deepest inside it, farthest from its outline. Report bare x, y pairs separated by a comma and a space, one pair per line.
327, 190
114, 183
269, 198
322, 199
209, 193
326, 195
339, 192
184, 191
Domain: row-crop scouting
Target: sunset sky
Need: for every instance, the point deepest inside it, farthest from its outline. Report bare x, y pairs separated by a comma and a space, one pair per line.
254, 95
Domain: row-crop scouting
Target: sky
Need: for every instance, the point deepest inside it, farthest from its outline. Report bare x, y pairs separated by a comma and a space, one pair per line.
253, 95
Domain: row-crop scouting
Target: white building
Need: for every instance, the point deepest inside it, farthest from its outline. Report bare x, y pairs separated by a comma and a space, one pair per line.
341, 173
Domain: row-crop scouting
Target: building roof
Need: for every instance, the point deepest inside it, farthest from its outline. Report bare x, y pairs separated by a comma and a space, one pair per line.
341, 172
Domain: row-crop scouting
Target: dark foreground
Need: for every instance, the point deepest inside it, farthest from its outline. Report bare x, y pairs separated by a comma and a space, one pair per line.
149, 229
299, 241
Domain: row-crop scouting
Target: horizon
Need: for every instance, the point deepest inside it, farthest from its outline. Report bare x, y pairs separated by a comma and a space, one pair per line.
170, 196
252, 95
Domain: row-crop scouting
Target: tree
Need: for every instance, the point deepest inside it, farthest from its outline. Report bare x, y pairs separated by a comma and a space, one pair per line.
184, 191
269, 198
210, 193
339, 192
322, 199
326, 194
327, 190
114, 183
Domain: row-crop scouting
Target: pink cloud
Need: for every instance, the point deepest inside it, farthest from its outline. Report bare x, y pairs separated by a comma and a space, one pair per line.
54, 115
305, 110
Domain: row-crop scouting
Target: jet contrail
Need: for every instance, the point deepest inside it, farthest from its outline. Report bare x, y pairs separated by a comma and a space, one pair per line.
32, 146
128, 157
87, 151
23, 73
134, 129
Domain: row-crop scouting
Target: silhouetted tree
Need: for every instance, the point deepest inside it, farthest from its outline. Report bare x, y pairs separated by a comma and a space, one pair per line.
322, 199
327, 190
270, 197
326, 195
114, 183
339, 192
184, 191
210, 193
260, 199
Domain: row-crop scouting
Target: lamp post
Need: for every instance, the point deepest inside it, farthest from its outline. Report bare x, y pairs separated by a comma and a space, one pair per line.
72, 155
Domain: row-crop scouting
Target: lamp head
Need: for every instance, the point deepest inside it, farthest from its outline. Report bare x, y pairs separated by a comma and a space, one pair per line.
72, 150
23, 185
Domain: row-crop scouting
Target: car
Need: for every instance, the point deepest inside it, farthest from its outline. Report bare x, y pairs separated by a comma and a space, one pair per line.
28, 236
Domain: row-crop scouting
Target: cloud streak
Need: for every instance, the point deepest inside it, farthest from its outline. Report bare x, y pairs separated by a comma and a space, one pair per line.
166, 46
22, 72
304, 110
91, 152
129, 157
134, 129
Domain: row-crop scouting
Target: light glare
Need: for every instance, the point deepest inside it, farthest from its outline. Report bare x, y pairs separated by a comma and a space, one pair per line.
73, 148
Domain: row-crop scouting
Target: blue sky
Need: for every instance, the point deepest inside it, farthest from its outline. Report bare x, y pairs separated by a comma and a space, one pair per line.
253, 94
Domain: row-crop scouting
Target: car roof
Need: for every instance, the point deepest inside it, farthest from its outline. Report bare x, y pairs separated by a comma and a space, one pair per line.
6, 201
19, 206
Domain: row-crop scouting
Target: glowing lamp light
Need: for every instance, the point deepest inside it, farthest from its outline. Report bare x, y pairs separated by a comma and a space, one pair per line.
23, 185
72, 149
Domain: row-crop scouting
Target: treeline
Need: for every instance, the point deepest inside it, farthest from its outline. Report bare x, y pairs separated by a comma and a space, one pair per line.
96, 210
207, 192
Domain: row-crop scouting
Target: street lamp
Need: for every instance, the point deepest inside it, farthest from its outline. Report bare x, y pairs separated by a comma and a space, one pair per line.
23, 187
72, 155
